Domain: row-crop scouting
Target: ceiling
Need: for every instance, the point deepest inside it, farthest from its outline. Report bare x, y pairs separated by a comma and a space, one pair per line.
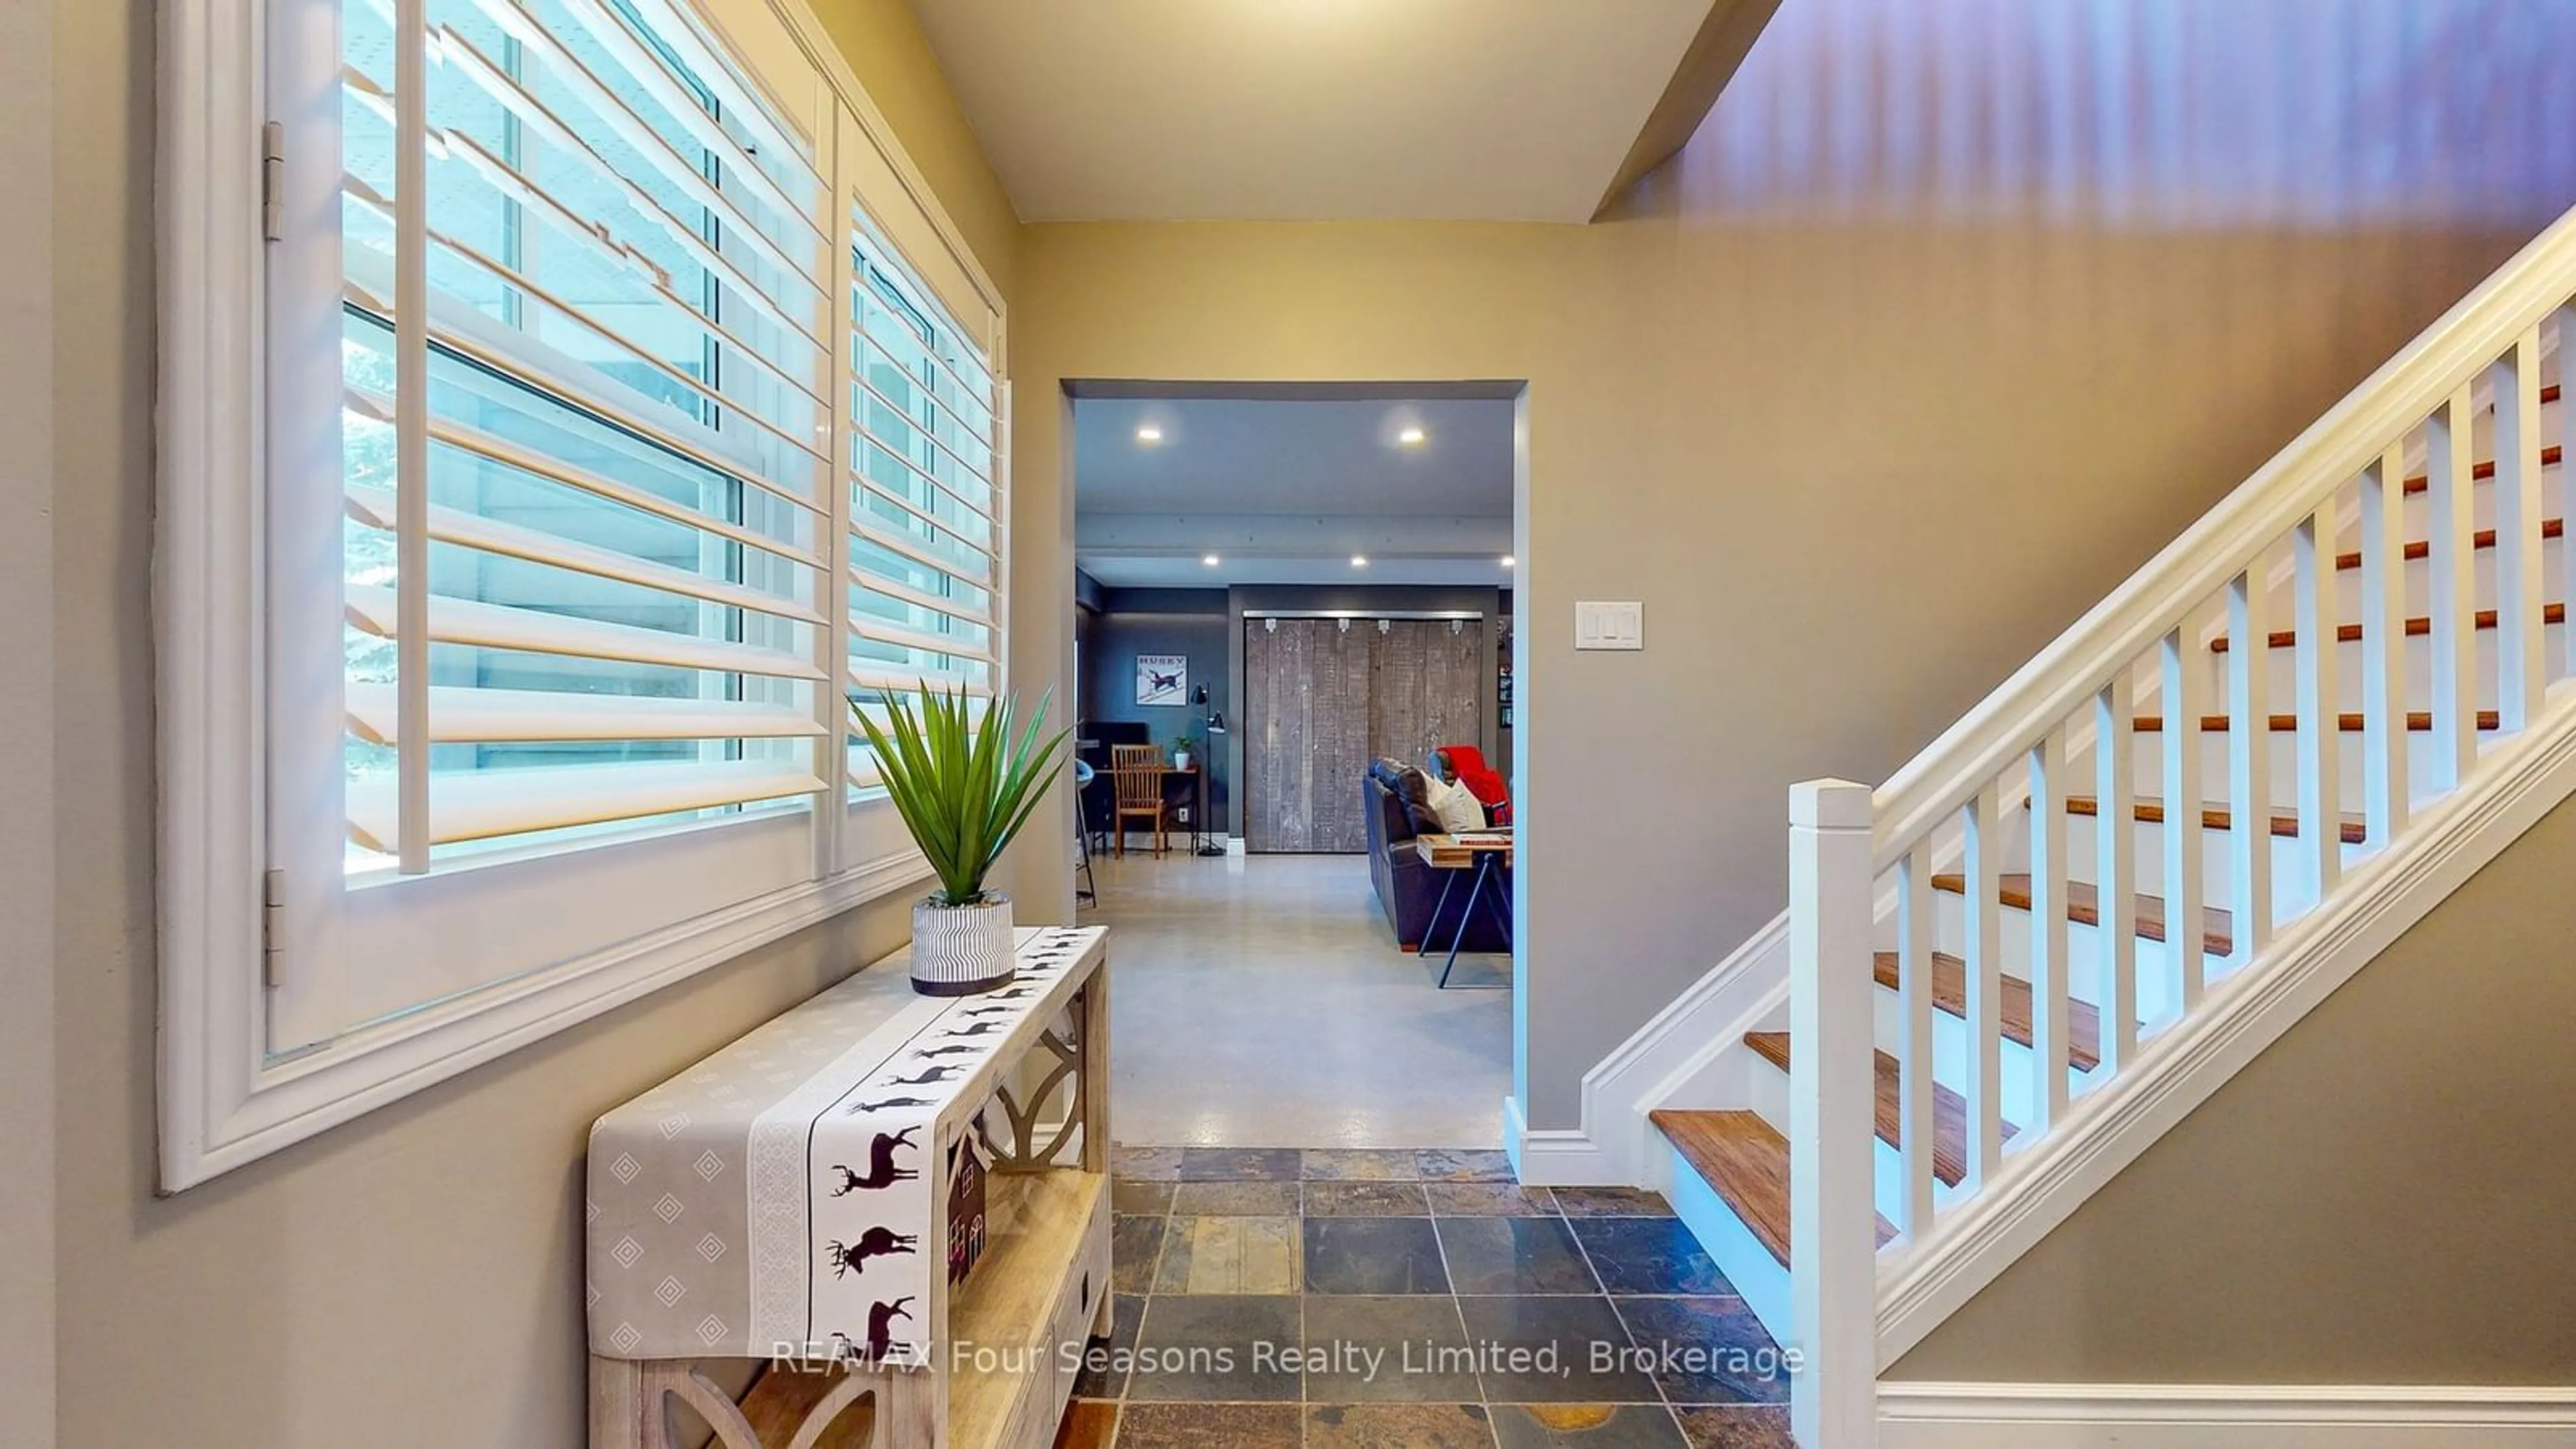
1288, 491
1487, 110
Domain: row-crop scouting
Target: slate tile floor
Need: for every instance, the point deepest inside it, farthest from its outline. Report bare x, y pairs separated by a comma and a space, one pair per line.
1382, 1299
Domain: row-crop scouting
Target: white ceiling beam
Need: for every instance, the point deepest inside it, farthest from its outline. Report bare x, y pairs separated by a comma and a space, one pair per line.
1289, 535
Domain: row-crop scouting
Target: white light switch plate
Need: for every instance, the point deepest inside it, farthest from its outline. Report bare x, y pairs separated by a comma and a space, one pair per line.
1609, 625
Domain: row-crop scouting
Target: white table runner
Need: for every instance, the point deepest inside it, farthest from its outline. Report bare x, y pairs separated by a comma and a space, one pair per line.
776, 1198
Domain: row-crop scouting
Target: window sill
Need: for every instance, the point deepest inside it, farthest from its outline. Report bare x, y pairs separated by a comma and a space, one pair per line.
226, 1107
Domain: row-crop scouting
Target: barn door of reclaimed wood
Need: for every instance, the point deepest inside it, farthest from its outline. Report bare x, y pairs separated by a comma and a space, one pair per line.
1427, 689
1307, 688
1325, 696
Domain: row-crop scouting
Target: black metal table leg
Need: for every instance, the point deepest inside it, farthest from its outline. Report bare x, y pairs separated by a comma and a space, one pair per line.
1431, 928
1458, 937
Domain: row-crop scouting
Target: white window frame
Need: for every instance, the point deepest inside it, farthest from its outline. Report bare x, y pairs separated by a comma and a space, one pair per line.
228, 1093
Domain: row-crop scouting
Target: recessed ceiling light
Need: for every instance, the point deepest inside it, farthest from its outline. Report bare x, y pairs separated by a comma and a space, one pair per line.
1510, 562
1211, 560
1359, 560
1410, 437
1149, 434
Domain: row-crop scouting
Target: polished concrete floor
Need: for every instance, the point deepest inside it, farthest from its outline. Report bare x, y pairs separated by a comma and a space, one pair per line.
1259, 1001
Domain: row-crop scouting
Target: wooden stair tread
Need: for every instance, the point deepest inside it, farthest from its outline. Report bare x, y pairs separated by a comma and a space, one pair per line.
1949, 1109
1747, 1164
2416, 628
2218, 931
2423, 548
2417, 722
2285, 823
1950, 994
2481, 472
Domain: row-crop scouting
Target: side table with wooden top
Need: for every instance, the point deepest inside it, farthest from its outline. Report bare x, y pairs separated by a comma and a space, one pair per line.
1483, 856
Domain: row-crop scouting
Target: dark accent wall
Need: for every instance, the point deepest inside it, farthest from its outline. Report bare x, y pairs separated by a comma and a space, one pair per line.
1086, 637
1411, 598
1187, 622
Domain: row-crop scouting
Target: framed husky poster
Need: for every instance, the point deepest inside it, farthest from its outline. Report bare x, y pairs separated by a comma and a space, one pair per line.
1162, 679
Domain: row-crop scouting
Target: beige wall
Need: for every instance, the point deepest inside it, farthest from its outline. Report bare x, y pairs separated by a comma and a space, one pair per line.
1857, 469
26, 731
413, 1278
2381, 1198
893, 61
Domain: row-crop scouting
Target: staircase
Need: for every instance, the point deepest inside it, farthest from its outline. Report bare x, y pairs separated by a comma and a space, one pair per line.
2024, 957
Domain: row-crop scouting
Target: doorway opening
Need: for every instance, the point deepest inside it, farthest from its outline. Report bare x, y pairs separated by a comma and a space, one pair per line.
1294, 705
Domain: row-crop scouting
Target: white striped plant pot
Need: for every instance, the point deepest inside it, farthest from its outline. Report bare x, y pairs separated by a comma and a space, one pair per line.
961, 950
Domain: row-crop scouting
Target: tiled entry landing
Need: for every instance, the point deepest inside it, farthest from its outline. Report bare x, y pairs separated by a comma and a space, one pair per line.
1365, 1299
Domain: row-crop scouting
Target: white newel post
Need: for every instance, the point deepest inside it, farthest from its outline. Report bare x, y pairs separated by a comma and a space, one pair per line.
1833, 1238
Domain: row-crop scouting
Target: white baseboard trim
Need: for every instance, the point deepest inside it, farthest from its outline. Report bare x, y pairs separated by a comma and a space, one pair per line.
1691, 1054
2516, 783
2219, 1416
1552, 1156
1667, 1059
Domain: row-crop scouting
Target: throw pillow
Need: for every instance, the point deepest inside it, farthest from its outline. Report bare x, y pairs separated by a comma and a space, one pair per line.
1411, 789
1458, 808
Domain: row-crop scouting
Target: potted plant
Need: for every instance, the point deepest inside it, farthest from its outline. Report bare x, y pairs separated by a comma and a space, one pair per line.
1181, 747
964, 789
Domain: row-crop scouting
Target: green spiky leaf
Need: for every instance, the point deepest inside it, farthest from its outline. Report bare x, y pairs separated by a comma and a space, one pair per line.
963, 785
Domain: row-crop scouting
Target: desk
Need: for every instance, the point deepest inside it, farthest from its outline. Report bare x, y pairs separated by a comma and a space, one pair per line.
1177, 787
1480, 853
1193, 782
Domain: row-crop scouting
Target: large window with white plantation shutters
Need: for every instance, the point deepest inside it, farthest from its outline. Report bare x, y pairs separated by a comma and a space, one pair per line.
925, 560
602, 608
627, 415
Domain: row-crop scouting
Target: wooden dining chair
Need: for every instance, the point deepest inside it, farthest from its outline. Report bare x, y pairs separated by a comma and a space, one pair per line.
1137, 773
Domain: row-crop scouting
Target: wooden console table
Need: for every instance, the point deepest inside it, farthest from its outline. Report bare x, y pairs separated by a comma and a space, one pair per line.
786, 1202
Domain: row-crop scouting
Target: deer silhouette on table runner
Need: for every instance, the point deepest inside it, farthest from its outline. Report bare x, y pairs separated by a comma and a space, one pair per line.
881, 1173
858, 1109
874, 1243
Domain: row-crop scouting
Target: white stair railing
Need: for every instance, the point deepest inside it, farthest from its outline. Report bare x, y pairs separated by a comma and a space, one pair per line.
2267, 554
1833, 1305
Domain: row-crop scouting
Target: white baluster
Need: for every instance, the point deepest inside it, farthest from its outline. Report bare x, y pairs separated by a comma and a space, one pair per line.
2115, 863
1982, 864
2383, 647
2048, 1030
2452, 492
1917, 918
2521, 669
1832, 1089
2563, 332
2320, 612
2183, 688
2249, 775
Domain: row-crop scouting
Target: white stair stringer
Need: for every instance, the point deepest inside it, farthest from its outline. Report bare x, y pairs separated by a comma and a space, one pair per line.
2519, 780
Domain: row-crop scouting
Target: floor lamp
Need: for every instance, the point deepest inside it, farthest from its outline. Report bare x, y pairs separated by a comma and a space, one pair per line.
1211, 724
